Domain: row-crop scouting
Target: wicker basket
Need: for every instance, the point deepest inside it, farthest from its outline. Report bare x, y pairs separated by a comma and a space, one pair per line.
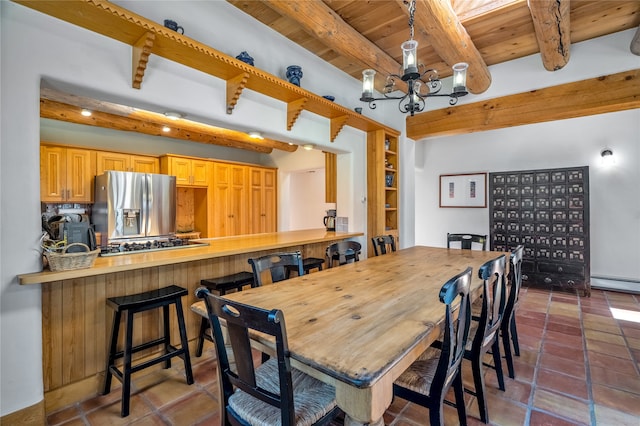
67, 261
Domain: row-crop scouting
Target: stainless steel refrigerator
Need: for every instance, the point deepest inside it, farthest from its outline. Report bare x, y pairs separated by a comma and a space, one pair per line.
132, 205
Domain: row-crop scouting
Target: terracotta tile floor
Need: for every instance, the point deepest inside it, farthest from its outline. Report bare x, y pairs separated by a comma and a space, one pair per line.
579, 365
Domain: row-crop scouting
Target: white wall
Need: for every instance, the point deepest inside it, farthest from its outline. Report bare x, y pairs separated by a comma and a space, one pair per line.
35, 46
614, 193
308, 191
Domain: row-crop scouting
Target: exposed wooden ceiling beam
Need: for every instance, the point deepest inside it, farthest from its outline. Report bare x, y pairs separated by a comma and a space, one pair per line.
552, 27
320, 21
437, 21
64, 106
611, 93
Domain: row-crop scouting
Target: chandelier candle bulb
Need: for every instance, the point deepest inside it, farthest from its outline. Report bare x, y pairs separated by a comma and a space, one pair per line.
409, 56
367, 83
460, 77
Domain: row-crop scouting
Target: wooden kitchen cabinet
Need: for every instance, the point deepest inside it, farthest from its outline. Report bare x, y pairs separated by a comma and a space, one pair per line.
188, 171
230, 197
125, 162
383, 167
66, 174
263, 200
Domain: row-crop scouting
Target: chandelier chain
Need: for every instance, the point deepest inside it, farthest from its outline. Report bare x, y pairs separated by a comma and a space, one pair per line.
411, 5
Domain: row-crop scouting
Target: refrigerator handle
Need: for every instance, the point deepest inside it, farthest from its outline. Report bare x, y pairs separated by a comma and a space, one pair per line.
146, 190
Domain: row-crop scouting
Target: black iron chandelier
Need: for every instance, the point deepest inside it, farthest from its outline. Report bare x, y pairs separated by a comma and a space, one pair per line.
414, 100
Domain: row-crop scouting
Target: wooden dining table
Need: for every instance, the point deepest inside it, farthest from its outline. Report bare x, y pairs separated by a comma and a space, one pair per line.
360, 325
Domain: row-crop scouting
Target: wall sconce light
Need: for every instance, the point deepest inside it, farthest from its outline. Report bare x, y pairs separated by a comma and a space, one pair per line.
85, 112
308, 146
607, 157
166, 129
255, 135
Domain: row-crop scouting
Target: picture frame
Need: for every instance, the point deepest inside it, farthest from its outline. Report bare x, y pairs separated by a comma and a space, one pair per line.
467, 190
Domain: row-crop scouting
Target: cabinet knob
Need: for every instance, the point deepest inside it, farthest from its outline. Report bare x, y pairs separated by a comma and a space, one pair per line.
572, 283
547, 280
560, 269
525, 277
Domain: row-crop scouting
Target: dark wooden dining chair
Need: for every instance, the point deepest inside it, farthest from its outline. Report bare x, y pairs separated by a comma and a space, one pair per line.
343, 252
383, 244
262, 395
508, 329
428, 379
277, 264
485, 329
467, 241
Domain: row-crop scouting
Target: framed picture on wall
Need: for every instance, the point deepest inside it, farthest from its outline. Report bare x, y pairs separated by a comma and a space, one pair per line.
463, 190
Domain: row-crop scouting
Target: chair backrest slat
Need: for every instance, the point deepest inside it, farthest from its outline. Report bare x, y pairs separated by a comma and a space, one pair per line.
277, 264
456, 328
467, 240
343, 252
493, 300
382, 244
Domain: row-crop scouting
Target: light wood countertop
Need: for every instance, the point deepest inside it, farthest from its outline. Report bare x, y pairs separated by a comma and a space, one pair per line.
218, 247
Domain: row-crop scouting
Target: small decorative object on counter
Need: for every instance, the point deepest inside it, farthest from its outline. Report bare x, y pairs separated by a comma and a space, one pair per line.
329, 98
63, 261
294, 74
358, 110
245, 57
173, 25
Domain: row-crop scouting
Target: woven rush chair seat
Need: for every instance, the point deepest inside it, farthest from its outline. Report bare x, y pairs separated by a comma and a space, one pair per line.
312, 399
419, 376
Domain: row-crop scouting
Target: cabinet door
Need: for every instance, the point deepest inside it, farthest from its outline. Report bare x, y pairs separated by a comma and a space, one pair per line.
269, 208
52, 173
263, 200
238, 200
181, 169
221, 191
80, 164
199, 174
144, 164
112, 161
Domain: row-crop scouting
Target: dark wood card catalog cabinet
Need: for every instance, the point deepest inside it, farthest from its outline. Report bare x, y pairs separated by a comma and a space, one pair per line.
548, 212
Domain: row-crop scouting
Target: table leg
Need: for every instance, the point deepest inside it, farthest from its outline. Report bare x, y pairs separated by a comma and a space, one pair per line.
364, 406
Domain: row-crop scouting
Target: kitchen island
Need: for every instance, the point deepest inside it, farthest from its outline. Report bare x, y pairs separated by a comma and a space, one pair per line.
76, 320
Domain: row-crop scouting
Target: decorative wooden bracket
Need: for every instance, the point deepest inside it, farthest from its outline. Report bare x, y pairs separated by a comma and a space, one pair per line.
337, 123
234, 88
140, 56
294, 108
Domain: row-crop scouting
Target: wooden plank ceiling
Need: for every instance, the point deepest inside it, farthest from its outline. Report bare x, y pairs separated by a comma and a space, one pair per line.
353, 35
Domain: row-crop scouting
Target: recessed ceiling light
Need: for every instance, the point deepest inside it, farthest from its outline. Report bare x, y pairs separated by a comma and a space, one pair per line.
173, 115
255, 135
308, 146
85, 112
166, 129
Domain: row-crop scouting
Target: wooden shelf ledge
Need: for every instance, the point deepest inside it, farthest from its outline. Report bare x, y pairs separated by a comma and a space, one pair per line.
147, 37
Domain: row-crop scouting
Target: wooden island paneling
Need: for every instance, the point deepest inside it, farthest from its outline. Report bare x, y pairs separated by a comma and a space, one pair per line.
76, 321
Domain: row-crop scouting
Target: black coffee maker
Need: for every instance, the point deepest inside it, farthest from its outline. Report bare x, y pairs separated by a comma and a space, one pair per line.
330, 220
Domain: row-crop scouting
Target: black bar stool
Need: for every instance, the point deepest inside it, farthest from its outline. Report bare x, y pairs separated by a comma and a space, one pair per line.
222, 285
308, 264
134, 304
